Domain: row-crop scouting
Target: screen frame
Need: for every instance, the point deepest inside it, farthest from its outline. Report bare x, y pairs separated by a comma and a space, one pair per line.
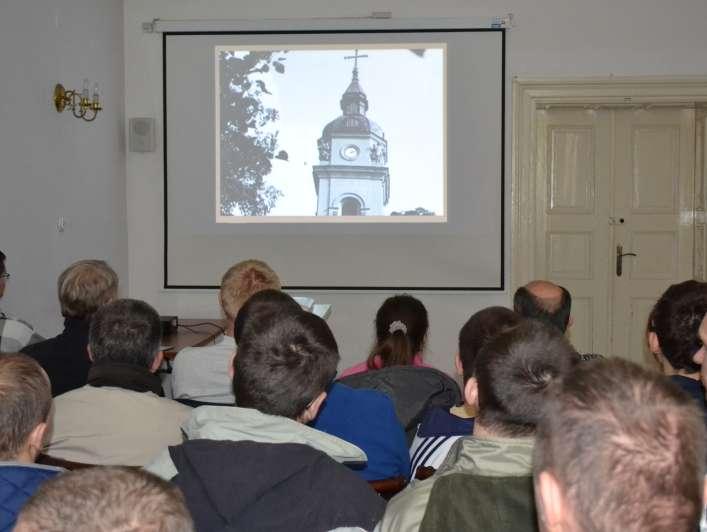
501, 285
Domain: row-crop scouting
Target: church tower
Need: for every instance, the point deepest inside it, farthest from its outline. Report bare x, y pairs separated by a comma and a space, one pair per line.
352, 176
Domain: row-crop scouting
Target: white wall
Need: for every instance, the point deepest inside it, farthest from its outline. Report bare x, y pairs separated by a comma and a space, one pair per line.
551, 38
54, 165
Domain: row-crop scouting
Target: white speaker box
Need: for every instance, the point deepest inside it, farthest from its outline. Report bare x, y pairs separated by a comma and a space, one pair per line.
141, 137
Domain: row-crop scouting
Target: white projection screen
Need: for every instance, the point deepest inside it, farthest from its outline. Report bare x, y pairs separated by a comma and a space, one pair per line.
348, 159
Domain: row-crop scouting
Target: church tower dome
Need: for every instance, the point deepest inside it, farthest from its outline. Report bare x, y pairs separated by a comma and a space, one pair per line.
352, 176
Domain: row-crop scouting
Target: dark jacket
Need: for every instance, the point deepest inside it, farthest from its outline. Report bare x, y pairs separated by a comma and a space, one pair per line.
249, 486
18, 482
413, 391
64, 357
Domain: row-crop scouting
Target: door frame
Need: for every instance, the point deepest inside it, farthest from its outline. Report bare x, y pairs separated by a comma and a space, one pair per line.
531, 94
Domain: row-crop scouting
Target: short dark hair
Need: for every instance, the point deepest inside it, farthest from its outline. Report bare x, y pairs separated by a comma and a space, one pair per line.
627, 448
25, 401
676, 318
264, 302
479, 329
126, 331
514, 372
284, 362
2, 262
397, 346
105, 499
530, 306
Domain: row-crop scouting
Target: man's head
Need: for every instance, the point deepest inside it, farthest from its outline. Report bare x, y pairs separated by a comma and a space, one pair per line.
284, 363
478, 330
513, 374
674, 323
544, 301
85, 286
265, 302
241, 281
3, 272
25, 402
619, 448
106, 499
126, 331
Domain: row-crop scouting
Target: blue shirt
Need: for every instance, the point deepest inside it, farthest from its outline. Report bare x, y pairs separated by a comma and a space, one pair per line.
367, 419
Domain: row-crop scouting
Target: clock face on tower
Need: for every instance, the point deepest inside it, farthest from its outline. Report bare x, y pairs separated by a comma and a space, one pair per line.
350, 152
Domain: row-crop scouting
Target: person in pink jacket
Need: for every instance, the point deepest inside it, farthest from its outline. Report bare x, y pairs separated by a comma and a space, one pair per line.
401, 331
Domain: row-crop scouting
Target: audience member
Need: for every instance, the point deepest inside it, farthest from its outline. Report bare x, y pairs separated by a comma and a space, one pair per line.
119, 418
25, 402
699, 357
83, 288
201, 373
106, 499
673, 336
14, 333
401, 330
365, 418
619, 449
485, 482
544, 301
276, 464
441, 427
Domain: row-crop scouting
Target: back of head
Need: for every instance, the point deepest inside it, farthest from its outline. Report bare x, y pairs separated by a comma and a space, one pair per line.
126, 331
544, 301
85, 286
479, 330
3, 258
626, 448
267, 301
515, 371
25, 402
241, 281
284, 362
676, 318
106, 499
401, 329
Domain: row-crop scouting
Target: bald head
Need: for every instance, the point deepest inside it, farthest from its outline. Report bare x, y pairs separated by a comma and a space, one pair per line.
544, 301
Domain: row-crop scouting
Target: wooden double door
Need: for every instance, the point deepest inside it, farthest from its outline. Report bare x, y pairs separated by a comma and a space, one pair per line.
614, 216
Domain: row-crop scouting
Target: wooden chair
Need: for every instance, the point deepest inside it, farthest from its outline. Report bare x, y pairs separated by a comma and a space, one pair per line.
388, 487
423, 472
45, 459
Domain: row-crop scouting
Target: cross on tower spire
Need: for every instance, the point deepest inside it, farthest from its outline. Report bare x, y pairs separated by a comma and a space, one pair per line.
355, 57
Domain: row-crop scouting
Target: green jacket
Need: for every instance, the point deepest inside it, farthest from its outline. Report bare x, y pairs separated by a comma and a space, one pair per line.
489, 457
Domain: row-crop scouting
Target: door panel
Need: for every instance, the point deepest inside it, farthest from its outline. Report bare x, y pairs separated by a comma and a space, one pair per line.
573, 198
653, 185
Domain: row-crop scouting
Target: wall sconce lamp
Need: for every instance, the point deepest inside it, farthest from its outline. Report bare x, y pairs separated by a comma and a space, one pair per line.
79, 103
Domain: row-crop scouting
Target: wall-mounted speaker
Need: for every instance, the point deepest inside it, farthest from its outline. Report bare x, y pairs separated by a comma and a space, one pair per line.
141, 137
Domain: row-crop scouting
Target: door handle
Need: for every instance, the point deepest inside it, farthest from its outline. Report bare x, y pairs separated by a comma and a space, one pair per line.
620, 259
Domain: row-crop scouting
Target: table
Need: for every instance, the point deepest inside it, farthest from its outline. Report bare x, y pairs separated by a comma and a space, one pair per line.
191, 332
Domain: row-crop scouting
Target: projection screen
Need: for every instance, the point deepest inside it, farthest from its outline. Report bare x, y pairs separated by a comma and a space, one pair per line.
356, 159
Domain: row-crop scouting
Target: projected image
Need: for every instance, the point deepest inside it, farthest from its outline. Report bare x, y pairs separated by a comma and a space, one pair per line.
331, 134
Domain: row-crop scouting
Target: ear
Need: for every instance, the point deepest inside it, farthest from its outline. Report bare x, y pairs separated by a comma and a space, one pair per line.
552, 511
653, 343
570, 321
157, 362
35, 441
458, 364
471, 392
313, 409
90, 353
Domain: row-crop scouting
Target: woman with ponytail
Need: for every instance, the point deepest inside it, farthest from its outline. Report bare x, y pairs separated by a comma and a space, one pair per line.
401, 330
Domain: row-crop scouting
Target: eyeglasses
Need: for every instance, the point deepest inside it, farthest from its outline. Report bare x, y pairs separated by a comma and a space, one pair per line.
4, 275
